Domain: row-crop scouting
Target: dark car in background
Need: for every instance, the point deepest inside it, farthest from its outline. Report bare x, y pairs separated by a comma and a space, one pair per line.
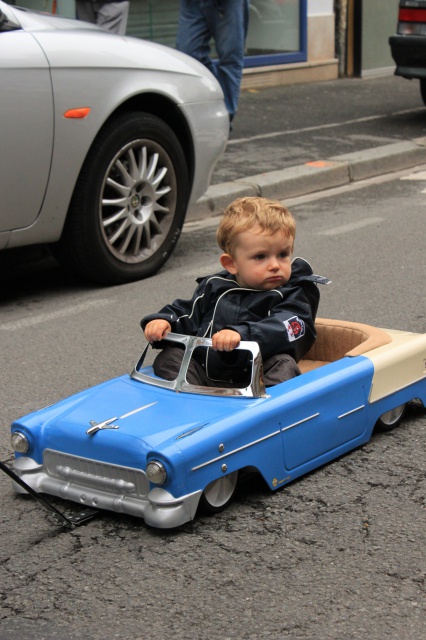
408, 46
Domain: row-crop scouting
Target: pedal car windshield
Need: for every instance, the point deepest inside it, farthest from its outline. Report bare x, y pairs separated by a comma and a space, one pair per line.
255, 388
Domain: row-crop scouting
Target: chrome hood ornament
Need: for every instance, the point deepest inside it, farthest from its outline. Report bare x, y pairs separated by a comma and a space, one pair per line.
107, 424
97, 426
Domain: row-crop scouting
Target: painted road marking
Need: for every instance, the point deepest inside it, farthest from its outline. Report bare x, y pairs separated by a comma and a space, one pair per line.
420, 175
331, 125
352, 226
54, 315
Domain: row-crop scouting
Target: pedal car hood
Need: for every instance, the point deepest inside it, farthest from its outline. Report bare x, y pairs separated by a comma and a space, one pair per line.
121, 420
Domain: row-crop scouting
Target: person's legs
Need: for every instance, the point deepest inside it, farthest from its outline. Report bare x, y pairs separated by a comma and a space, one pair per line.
279, 368
194, 34
85, 11
229, 26
167, 365
227, 22
112, 16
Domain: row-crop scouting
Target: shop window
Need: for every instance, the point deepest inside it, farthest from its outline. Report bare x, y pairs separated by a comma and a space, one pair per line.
154, 20
277, 32
277, 29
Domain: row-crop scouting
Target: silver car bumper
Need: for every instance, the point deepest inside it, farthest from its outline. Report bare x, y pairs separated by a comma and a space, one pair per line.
105, 486
209, 122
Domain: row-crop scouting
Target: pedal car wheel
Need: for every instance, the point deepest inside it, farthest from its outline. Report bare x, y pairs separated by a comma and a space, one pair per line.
219, 493
391, 419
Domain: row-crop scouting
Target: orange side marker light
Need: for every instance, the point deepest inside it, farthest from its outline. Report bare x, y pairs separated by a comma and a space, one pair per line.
80, 113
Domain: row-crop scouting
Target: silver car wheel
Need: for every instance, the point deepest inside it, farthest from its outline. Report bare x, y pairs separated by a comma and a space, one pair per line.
138, 200
392, 418
218, 494
129, 203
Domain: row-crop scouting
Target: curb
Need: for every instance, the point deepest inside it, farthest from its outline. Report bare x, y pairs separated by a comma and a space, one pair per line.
313, 176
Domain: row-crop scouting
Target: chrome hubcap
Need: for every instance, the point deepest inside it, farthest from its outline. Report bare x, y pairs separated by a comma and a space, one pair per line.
138, 201
220, 491
392, 416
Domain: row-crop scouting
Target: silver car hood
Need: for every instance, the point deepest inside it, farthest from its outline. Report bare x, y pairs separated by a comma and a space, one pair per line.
33, 20
93, 46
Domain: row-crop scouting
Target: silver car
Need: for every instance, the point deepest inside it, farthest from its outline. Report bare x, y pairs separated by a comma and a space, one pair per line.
104, 141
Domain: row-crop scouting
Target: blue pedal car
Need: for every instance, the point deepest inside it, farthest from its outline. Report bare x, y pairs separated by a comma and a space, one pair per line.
160, 449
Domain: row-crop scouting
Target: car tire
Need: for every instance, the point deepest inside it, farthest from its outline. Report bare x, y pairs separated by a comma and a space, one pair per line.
391, 419
219, 493
129, 204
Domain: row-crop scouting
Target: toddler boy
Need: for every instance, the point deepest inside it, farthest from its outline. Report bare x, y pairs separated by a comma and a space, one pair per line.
262, 295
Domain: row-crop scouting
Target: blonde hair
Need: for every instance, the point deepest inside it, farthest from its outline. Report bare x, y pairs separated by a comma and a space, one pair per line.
244, 213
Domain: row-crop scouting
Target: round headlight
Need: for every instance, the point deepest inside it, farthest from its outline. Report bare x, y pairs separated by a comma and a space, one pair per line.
19, 442
156, 472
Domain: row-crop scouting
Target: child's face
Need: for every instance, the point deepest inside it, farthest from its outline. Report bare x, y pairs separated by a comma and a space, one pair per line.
261, 261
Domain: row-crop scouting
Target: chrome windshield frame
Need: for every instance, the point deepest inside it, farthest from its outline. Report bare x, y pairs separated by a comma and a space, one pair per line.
255, 389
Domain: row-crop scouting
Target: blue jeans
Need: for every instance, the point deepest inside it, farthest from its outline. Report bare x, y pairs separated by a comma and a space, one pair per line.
227, 22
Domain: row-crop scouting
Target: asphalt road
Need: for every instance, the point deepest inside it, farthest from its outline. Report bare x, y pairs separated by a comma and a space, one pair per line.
285, 126
337, 554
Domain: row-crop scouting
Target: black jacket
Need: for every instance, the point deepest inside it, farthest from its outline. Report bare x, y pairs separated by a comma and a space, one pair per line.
280, 320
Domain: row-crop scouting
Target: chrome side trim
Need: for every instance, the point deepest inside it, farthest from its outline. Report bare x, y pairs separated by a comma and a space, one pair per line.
295, 424
191, 431
230, 453
348, 413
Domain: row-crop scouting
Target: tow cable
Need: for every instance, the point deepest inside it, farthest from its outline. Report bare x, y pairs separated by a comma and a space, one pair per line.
71, 521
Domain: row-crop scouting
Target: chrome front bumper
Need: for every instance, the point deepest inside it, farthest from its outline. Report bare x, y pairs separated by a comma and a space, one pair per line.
105, 486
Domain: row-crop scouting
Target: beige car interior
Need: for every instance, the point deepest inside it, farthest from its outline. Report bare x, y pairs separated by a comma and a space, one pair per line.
338, 338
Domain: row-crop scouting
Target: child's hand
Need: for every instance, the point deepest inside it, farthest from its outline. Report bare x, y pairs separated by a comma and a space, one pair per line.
226, 340
156, 330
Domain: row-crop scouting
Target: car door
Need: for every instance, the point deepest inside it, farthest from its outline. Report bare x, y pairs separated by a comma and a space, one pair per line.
26, 128
329, 421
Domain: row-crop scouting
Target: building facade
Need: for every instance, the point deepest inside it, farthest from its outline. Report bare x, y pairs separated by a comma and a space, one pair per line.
288, 40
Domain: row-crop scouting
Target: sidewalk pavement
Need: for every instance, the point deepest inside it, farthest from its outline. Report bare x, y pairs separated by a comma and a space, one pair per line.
293, 140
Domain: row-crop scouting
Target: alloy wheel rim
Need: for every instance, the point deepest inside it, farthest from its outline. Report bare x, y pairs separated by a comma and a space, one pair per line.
138, 201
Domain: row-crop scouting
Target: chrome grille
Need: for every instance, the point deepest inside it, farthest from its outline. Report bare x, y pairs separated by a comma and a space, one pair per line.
97, 475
